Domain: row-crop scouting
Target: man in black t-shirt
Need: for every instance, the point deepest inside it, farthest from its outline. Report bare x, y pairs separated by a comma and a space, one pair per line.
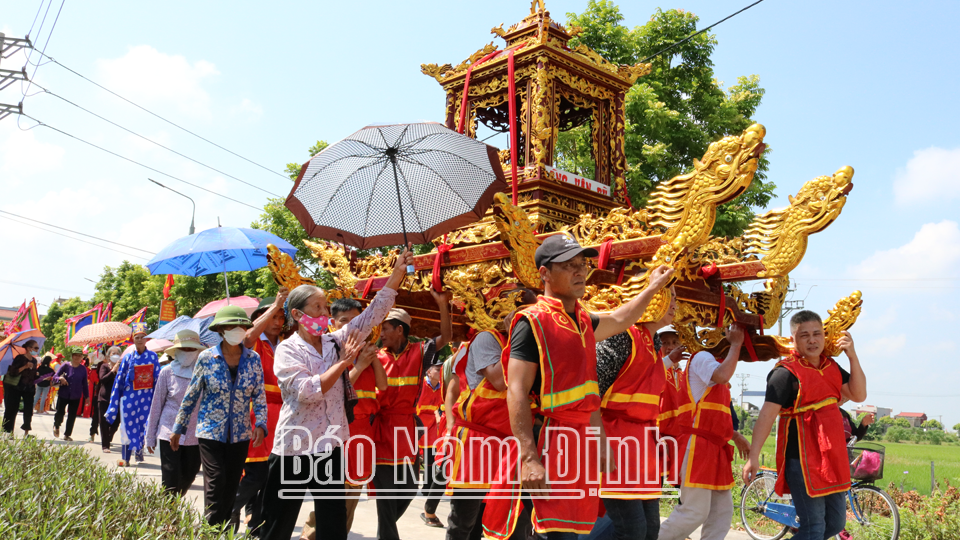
804, 389
562, 263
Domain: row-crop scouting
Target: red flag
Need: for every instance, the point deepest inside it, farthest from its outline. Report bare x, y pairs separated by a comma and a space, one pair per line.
167, 286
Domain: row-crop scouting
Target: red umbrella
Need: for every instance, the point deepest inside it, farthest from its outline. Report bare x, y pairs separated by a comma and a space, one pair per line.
248, 304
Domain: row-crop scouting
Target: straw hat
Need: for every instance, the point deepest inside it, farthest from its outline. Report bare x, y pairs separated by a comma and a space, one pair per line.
185, 339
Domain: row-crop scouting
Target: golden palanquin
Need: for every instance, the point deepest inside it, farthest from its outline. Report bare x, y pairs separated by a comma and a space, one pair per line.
557, 88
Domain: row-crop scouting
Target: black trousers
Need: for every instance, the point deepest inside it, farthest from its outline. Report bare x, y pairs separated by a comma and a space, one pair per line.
433, 484
634, 519
13, 396
94, 416
107, 430
317, 473
71, 407
250, 493
222, 468
396, 486
466, 517
178, 468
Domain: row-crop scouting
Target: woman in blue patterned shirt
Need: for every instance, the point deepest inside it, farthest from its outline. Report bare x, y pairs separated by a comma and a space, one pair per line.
227, 379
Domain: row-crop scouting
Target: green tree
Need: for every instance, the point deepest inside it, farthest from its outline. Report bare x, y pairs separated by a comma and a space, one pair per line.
902, 422
675, 112
956, 428
933, 424
293, 169
935, 436
56, 331
897, 434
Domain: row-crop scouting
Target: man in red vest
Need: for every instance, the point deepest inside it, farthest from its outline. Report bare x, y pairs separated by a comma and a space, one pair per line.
676, 406
394, 425
479, 420
552, 351
804, 389
428, 410
263, 337
706, 475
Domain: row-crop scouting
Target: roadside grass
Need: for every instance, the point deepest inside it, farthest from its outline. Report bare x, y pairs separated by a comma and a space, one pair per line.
50, 491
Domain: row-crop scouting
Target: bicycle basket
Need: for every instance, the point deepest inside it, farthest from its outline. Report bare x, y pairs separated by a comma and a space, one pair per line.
866, 462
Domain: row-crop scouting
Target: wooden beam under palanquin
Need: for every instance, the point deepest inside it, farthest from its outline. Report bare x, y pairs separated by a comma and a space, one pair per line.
558, 87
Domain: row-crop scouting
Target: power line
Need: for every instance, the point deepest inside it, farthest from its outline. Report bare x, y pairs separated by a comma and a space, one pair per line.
75, 239
695, 34
144, 109
49, 35
158, 171
76, 232
156, 143
41, 287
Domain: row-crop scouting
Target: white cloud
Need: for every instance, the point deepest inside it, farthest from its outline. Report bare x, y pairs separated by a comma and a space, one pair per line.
934, 252
147, 76
24, 155
884, 346
248, 110
931, 175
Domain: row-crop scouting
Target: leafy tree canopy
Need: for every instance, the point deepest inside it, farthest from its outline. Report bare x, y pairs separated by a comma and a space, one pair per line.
675, 112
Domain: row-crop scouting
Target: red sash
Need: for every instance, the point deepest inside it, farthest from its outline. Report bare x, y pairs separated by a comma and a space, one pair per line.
823, 449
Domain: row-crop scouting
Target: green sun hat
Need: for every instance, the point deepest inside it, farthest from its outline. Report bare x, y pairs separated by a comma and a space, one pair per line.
230, 316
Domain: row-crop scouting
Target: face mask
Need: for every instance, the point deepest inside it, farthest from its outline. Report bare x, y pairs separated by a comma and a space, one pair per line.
115, 358
314, 325
186, 358
235, 336
36, 354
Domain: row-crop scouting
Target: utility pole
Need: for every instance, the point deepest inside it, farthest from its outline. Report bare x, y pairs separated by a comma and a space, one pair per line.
743, 385
9, 47
788, 306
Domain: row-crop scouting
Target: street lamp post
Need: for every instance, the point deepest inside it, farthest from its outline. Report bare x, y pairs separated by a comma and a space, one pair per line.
192, 218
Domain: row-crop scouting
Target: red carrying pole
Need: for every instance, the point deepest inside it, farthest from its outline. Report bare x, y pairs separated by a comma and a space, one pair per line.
511, 109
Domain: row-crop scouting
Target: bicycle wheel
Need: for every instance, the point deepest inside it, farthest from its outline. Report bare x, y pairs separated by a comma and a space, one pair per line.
872, 514
755, 496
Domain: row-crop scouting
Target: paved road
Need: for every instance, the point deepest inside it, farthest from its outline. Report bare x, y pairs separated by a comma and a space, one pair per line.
365, 521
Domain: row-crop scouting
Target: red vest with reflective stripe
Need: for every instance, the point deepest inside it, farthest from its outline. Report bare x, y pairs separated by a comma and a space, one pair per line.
568, 359
637, 388
629, 409
710, 454
823, 448
366, 387
398, 404
274, 402
676, 404
429, 402
483, 406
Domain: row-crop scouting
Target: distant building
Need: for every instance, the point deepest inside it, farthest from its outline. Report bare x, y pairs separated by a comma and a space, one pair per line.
916, 419
7, 313
880, 412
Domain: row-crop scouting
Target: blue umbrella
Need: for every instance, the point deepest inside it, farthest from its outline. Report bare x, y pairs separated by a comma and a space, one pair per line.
183, 322
221, 249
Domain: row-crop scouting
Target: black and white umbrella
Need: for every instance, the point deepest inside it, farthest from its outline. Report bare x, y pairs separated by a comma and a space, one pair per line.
392, 184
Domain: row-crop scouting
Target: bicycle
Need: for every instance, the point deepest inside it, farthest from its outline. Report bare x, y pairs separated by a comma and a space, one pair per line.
871, 511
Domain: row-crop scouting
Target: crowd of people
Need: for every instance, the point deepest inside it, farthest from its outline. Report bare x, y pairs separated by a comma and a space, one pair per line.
305, 397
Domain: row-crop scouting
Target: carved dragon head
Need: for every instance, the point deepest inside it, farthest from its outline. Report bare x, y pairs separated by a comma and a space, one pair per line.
686, 205
822, 198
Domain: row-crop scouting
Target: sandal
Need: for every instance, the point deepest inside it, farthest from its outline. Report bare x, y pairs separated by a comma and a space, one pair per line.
431, 521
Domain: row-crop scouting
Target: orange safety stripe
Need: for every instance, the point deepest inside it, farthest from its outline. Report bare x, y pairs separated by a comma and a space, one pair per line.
577, 393
403, 381
650, 399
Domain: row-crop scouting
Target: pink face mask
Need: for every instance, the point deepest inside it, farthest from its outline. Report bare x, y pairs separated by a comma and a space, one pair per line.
314, 325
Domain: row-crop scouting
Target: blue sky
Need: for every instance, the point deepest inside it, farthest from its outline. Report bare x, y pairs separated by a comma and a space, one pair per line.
865, 84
